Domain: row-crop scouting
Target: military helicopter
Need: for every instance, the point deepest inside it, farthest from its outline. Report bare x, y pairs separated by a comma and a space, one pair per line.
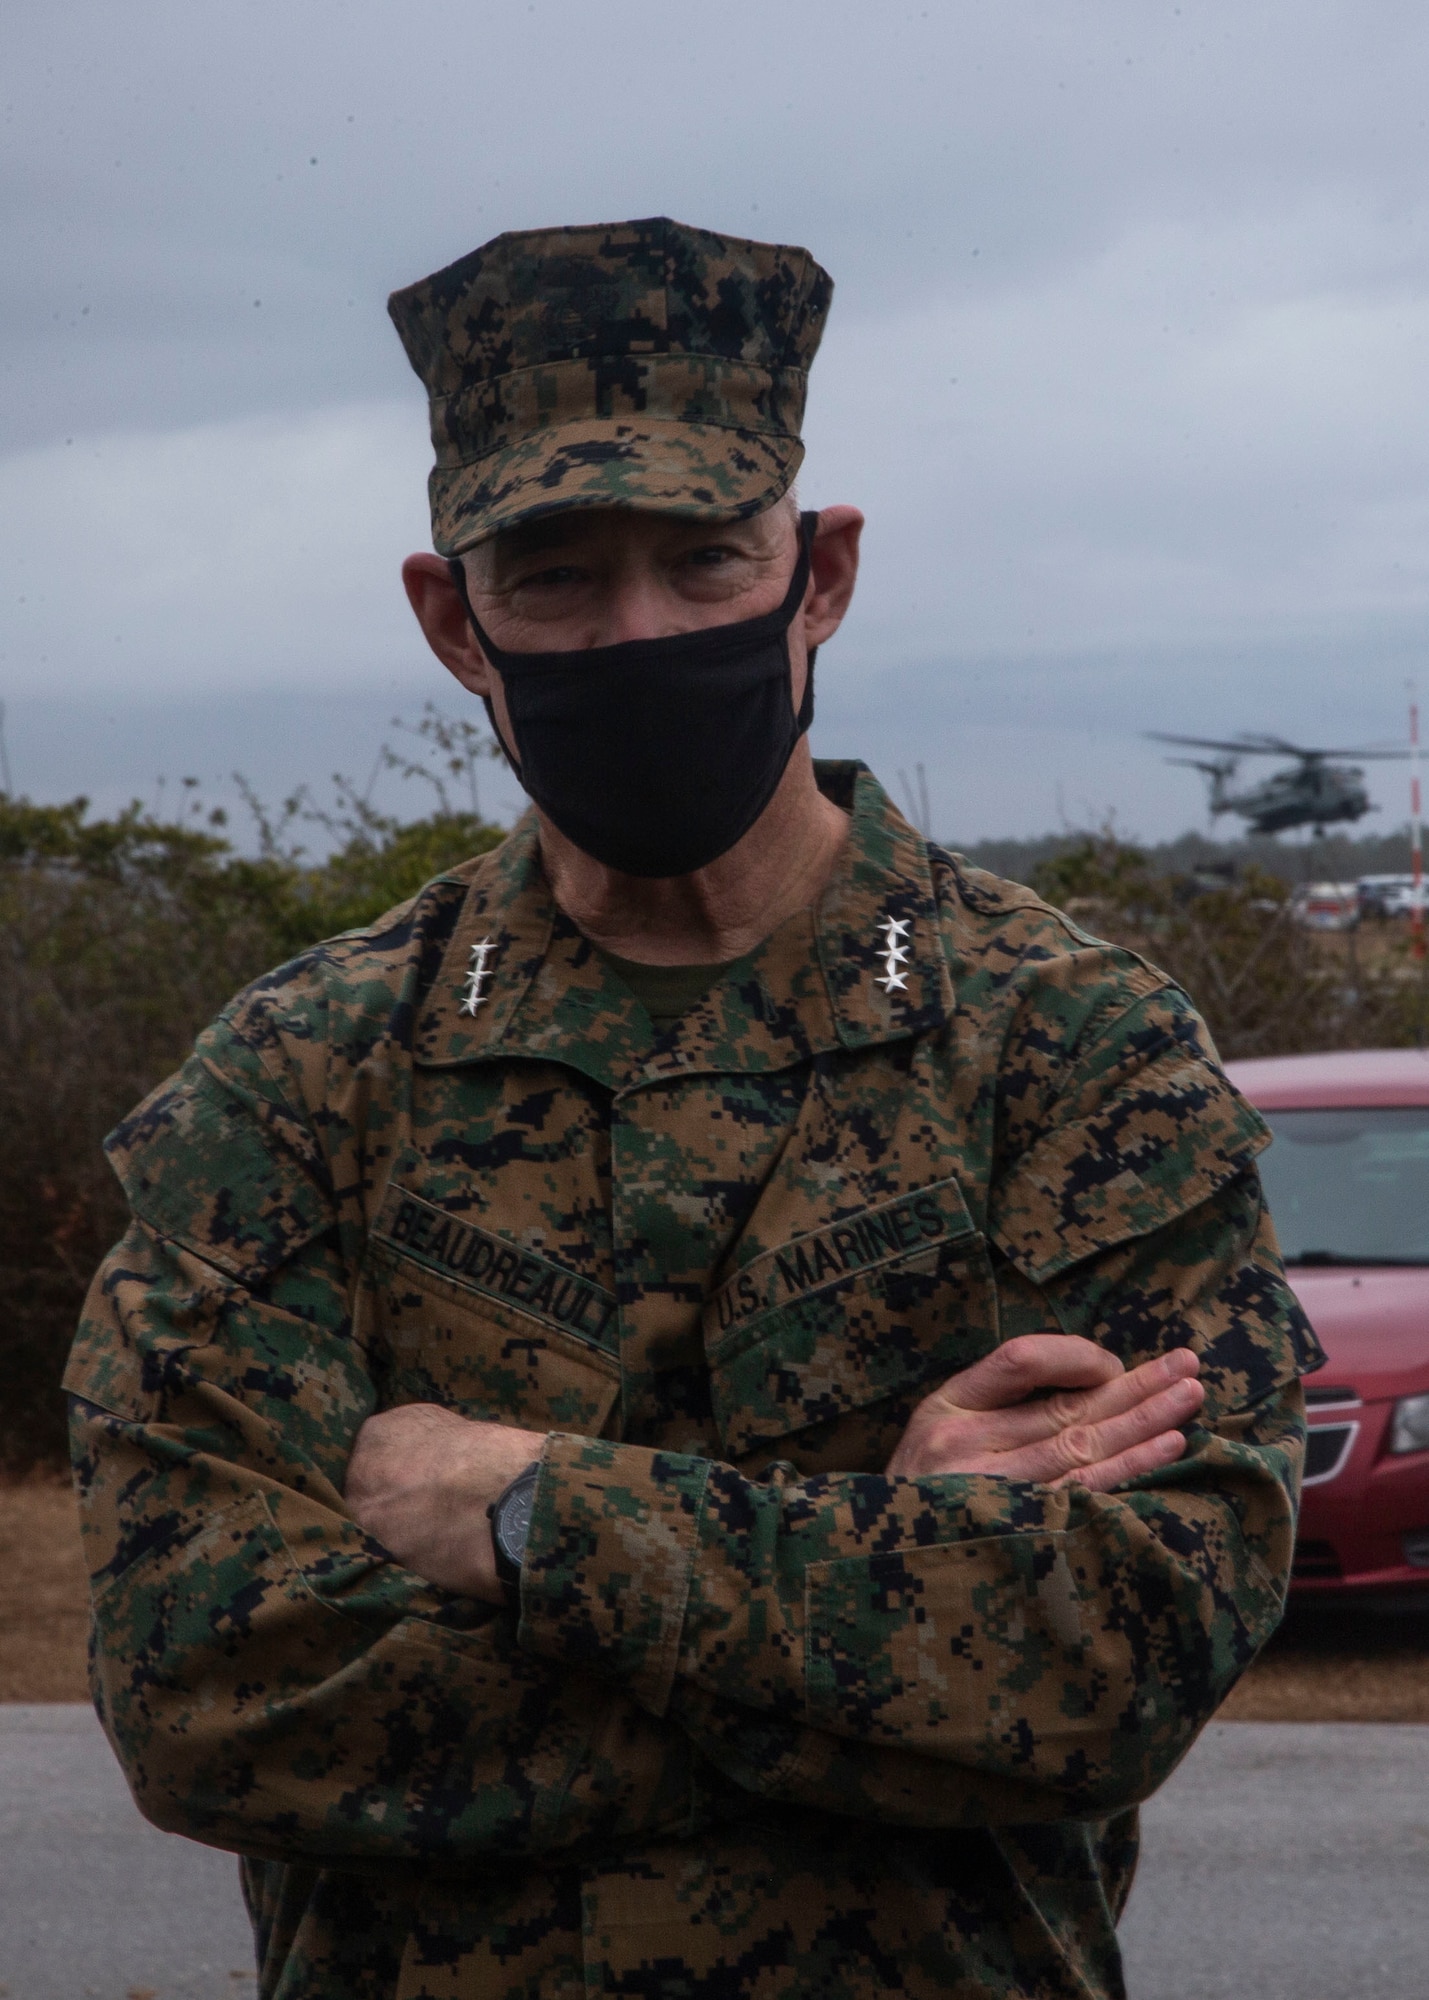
1315, 792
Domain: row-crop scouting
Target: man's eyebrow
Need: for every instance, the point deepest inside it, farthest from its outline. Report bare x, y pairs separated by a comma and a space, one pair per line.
529, 538
509, 547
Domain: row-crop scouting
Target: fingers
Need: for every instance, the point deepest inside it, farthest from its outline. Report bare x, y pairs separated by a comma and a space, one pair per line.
1079, 1447
1164, 1449
1047, 1416
1020, 1367
1124, 1417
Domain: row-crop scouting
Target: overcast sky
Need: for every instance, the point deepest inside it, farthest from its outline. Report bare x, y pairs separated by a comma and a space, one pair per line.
1126, 362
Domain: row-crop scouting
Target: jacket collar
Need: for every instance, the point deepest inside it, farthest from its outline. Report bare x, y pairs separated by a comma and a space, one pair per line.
864, 966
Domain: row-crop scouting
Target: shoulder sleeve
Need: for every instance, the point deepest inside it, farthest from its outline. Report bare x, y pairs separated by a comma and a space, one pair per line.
217, 1162
258, 1145
1141, 1126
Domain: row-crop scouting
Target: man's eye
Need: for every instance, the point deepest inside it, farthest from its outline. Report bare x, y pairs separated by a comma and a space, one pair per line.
548, 579
712, 557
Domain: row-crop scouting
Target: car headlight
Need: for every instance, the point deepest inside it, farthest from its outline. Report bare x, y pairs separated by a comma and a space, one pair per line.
1409, 1428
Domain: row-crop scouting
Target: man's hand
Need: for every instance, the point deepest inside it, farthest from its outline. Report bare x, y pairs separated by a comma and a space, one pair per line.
420, 1480
1099, 1426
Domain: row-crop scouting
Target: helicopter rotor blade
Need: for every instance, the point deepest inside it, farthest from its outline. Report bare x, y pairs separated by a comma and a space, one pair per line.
1195, 742
1273, 746
1243, 746
1318, 756
1265, 745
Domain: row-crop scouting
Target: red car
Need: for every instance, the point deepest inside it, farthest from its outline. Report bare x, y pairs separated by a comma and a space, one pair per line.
1347, 1180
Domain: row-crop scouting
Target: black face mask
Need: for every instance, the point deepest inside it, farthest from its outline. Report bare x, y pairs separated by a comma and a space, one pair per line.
655, 756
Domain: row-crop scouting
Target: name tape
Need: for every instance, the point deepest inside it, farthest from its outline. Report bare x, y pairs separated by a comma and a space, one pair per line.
480, 1262
809, 1263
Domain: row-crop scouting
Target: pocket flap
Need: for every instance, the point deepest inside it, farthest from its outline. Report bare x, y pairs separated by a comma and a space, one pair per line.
481, 1324
474, 1259
845, 1316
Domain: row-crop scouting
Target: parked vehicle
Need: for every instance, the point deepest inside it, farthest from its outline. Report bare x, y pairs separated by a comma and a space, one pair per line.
1399, 901
1384, 895
1375, 891
1327, 906
1347, 1180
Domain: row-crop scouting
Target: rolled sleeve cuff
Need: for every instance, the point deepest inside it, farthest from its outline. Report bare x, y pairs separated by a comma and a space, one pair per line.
608, 1565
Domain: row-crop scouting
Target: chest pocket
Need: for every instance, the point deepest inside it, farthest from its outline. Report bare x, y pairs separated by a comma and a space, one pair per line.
467, 1318
837, 1332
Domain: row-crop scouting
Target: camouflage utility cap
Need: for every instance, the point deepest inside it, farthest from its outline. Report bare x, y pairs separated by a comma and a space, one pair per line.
627, 364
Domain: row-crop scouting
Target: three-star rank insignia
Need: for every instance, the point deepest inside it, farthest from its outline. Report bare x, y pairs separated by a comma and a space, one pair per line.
473, 986
895, 952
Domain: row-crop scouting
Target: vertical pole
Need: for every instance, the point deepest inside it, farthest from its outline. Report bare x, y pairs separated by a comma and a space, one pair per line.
1416, 827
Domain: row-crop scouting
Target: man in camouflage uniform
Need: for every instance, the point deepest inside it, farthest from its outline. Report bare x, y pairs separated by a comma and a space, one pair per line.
872, 1263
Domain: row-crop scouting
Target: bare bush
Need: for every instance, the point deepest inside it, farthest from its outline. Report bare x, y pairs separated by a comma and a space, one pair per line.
119, 939
1265, 985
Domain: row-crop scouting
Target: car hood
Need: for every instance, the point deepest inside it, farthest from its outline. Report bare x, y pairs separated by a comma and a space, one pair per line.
1372, 1323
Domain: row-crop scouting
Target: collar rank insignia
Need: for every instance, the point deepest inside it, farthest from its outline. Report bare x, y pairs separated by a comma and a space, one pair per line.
478, 972
895, 954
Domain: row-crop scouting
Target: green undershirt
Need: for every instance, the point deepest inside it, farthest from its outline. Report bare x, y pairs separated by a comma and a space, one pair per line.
667, 992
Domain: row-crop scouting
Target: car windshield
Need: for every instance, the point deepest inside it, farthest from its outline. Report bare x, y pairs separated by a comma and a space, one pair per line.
1350, 1187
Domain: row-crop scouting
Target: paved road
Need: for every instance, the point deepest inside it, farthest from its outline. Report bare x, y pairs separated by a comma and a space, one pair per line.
1282, 1862
1286, 1861
93, 1901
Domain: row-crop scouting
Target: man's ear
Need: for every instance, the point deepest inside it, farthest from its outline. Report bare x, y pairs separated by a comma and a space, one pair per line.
833, 571
441, 613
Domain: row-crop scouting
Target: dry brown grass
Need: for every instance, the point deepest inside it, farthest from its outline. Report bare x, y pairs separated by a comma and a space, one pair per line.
44, 1600
1320, 1667
1337, 1666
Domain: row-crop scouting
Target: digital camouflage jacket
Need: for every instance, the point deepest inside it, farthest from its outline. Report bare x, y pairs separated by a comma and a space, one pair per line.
770, 1722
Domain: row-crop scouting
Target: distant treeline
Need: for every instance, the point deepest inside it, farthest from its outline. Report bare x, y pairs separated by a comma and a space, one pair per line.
1335, 858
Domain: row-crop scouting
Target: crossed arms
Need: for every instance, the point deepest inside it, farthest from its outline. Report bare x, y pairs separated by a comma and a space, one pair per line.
1048, 1409
295, 1654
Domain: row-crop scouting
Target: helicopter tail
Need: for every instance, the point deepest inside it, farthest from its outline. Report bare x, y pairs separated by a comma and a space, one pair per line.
1219, 770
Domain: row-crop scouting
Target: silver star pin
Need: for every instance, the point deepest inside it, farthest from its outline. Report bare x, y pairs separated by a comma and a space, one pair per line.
895, 953
478, 972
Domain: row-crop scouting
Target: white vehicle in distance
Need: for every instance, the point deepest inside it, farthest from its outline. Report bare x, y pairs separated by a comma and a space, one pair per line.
1385, 895
1327, 906
1400, 902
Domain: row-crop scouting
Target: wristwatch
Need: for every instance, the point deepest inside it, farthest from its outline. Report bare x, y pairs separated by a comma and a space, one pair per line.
510, 1517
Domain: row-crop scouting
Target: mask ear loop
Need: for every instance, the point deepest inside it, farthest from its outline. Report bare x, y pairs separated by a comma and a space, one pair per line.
457, 570
808, 528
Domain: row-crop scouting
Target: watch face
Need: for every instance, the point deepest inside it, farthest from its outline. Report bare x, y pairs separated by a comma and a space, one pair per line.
513, 1517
